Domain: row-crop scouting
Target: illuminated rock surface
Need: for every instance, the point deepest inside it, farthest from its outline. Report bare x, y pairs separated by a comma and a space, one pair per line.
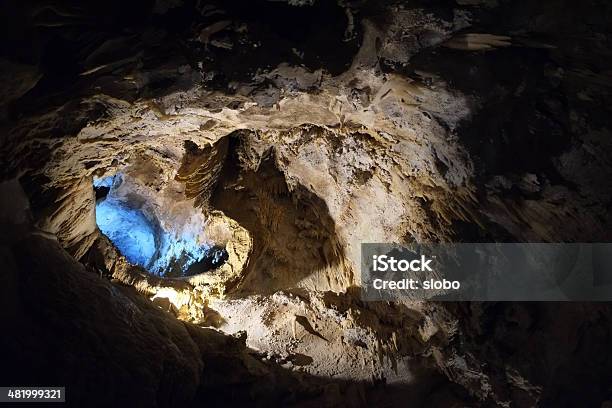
285, 133
129, 230
138, 236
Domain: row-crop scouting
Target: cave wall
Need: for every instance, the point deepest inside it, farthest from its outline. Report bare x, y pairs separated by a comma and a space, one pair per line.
444, 121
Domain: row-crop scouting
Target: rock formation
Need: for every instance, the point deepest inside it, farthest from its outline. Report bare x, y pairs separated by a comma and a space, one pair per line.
288, 133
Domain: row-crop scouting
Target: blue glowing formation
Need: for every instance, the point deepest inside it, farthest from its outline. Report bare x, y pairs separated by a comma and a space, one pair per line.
144, 242
184, 251
130, 231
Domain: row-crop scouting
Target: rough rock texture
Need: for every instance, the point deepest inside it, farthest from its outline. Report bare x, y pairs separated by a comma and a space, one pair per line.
306, 128
110, 346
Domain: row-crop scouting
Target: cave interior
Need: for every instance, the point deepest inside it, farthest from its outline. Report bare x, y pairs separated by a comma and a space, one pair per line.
186, 185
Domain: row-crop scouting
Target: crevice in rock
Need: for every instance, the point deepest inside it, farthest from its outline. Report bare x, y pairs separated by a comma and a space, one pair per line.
293, 233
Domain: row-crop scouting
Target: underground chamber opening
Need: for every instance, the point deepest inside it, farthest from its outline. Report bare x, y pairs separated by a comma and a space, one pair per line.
164, 249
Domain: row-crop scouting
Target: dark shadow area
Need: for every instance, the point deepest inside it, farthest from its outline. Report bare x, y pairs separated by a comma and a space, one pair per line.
311, 35
522, 123
73, 48
528, 94
527, 336
293, 233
